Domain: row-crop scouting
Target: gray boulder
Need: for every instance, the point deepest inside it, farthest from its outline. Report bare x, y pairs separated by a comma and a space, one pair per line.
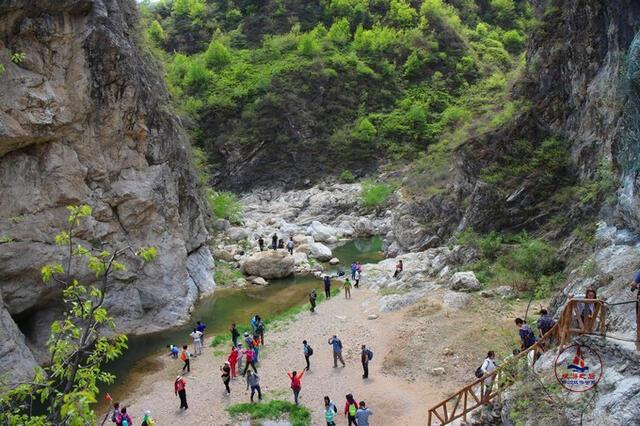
321, 232
269, 264
464, 281
320, 251
455, 300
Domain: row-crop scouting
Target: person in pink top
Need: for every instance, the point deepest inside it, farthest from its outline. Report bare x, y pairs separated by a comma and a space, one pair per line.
249, 361
296, 384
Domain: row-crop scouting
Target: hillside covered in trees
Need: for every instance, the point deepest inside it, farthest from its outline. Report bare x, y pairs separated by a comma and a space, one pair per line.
284, 92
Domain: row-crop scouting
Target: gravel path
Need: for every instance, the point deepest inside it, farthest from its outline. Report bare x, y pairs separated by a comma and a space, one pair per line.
392, 399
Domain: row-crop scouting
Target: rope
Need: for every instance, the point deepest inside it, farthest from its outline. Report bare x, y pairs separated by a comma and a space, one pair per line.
621, 303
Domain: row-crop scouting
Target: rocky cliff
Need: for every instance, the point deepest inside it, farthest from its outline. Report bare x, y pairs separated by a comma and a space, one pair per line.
85, 118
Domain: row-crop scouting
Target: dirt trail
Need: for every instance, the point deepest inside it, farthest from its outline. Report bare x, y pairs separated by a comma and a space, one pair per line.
406, 344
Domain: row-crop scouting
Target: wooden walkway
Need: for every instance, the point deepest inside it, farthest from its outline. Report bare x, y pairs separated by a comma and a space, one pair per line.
488, 388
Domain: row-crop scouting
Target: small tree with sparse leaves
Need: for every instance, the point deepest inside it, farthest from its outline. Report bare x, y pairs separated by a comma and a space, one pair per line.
61, 392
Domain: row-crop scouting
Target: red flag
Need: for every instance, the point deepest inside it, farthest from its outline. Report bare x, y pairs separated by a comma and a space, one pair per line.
107, 397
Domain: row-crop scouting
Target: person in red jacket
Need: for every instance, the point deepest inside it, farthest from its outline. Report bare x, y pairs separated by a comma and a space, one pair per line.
296, 384
233, 361
180, 389
351, 409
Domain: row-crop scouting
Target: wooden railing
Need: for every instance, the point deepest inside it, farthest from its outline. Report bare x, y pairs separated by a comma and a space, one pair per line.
580, 316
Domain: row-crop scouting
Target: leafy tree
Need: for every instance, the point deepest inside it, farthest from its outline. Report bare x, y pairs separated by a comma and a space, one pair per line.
504, 10
340, 32
309, 45
513, 40
401, 13
190, 8
217, 55
364, 131
67, 386
156, 33
225, 205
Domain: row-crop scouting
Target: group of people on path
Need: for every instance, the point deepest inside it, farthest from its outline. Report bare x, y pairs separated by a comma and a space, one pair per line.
357, 413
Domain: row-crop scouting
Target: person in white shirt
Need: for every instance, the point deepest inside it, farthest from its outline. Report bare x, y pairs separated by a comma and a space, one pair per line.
197, 341
488, 366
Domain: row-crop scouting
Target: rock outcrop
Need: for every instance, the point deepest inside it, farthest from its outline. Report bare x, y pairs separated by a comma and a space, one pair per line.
269, 264
85, 118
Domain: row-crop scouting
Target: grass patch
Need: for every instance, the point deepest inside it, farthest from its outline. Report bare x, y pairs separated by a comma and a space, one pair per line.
374, 195
225, 205
226, 274
276, 409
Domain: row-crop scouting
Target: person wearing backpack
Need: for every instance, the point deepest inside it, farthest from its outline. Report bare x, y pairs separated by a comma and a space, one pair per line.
123, 419
337, 351
116, 411
351, 409
260, 329
307, 350
226, 376
527, 338
330, 411
296, 384
186, 357
365, 356
180, 389
545, 322
363, 413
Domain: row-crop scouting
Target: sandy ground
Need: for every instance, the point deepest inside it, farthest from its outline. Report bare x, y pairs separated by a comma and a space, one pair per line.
401, 387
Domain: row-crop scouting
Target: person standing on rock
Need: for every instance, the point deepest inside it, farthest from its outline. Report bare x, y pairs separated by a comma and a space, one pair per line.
253, 381
363, 413
327, 285
261, 243
226, 376
351, 409
307, 350
197, 341
249, 361
233, 361
336, 345
180, 389
186, 357
296, 384
290, 246
330, 411
399, 268
312, 300
274, 241
347, 289
354, 269
357, 279
234, 334
365, 356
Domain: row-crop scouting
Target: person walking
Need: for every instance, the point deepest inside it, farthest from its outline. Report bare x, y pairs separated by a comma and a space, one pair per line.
123, 419
307, 350
260, 329
347, 289
253, 382
290, 246
147, 420
226, 376
296, 384
337, 351
351, 409
197, 342
527, 338
327, 285
330, 411
312, 300
365, 356
354, 269
399, 268
357, 279
249, 361
116, 411
234, 334
261, 243
256, 348
185, 356
545, 322
233, 361
274, 241
363, 413
180, 389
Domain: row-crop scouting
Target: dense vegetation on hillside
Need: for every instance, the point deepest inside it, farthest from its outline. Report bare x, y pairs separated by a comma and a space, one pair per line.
335, 84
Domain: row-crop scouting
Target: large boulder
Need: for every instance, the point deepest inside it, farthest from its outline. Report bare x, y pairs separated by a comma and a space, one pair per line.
455, 300
464, 281
269, 264
321, 232
320, 251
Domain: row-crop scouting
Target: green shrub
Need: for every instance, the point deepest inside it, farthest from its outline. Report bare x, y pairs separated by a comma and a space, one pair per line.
364, 130
226, 274
347, 177
156, 33
375, 194
308, 45
340, 32
217, 55
536, 258
298, 414
513, 40
225, 205
401, 13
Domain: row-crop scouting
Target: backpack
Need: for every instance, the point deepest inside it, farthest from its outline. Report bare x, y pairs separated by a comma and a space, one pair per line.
125, 422
353, 409
309, 350
479, 373
183, 356
369, 354
529, 338
340, 344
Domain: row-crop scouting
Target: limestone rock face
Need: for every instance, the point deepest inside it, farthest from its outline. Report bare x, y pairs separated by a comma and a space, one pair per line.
269, 264
15, 356
85, 118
